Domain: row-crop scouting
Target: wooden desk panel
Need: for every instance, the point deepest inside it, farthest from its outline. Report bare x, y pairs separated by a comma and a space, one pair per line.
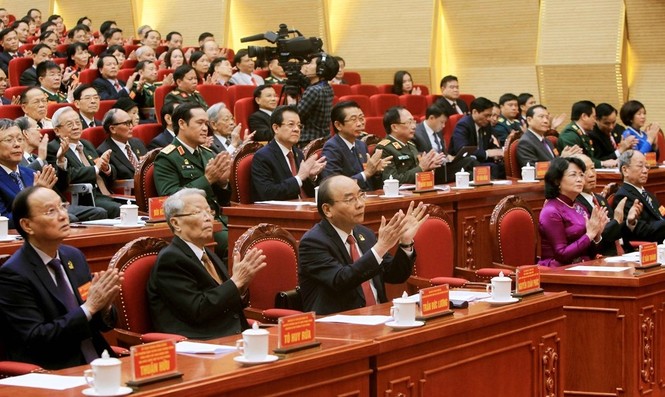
615, 331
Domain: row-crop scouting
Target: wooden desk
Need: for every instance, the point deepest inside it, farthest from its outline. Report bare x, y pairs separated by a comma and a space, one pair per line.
655, 184
615, 331
470, 209
100, 243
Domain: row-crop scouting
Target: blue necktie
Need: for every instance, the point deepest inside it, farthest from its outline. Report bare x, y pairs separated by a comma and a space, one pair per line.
17, 178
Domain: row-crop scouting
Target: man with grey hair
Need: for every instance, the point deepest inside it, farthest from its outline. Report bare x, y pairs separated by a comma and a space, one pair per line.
126, 151
225, 131
83, 163
650, 226
145, 53
190, 292
140, 32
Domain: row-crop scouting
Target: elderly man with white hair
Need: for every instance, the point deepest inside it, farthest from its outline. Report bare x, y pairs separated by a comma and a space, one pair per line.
145, 53
225, 131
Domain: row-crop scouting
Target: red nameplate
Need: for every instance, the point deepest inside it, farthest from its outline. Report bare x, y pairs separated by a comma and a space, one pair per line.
541, 169
424, 181
434, 300
153, 360
527, 279
296, 330
651, 159
481, 175
84, 289
156, 208
648, 254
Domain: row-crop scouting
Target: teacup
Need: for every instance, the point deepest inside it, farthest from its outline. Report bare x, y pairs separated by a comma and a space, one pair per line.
462, 179
4, 227
528, 173
129, 214
254, 344
403, 311
105, 375
499, 289
391, 187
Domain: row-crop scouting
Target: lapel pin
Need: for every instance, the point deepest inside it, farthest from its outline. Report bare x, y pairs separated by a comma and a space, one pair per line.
70, 265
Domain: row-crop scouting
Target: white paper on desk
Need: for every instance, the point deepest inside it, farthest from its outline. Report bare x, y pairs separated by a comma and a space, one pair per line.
608, 170
202, 348
608, 269
286, 203
45, 381
468, 296
358, 320
107, 222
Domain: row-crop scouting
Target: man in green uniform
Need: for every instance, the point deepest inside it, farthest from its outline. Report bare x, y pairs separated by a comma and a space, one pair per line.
400, 127
49, 76
583, 116
185, 92
187, 162
508, 120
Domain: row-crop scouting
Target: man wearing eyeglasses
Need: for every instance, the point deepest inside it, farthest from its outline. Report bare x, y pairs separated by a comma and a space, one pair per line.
279, 169
406, 162
87, 101
53, 310
190, 292
126, 151
342, 264
33, 103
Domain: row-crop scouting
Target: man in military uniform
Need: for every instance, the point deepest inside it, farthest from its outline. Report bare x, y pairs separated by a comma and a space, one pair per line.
607, 134
185, 92
145, 88
187, 162
50, 78
508, 121
583, 116
400, 127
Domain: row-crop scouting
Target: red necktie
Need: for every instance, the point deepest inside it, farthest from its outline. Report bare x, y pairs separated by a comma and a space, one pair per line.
253, 80
294, 171
367, 289
132, 158
117, 86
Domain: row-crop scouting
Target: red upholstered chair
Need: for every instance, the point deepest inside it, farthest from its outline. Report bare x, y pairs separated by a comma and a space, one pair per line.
554, 139
450, 127
60, 61
374, 125
279, 276
124, 74
364, 89
131, 47
352, 78
16, 68
146, 132
341, 89
432, 98
87, 76
370, 140
382, 102
95, 135
435, 245
361, 100
11, 92
11, 112
385, 88
129, 63
314, 147
15, 368
97, 49
52, 107
242, 109
214, 94
136, 259
513, 169
416, 104
424, 90
62, 48
161, 73
161, 49
104, 106
48, 131
160, 94
514, 235
467, 98
28, 47
661, 147
264, 73
241, 172
144, 180
229, 55
236, 92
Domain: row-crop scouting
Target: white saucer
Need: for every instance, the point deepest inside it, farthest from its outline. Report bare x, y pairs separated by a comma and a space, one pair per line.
394, 325
122, 391
129, 226
523, 181
462, 188
501, 303
385, 196
10, 237
242, 360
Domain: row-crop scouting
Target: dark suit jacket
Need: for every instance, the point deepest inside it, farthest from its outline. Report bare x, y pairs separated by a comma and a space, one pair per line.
602, 144
530, 149
330, 282
4, 60
29, 77
259, 121
271, 175
119, 160
161, 140
465, 135
9, 189
217, 147
612, 231
340, 161
106, 90
6, 101
650, 226
448, 108
37, 328
84, 124
184, 299
421, 139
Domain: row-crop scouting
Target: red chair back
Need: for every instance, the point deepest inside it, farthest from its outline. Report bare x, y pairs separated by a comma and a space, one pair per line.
661, 147
131, 47
161, 73
364, 89
129, 63
213, 94
382, 102
136, 259
467, 98
16, 68
435, 245
104, 106
514, 232
160, 93
512, 166
11, 92
361, 100
243, 108
61, 48
236, 92
161, 49
432, 98
95, 135
48, 131
53, 106
554, 139
264, 73
11, 112
241, 172
87, 76
341, 89
60, 61
97, 49
124, 74
352, 78
416, 104
450, 127
146, 132
424, 90
374, 125
27, 47
385, 88
144, 180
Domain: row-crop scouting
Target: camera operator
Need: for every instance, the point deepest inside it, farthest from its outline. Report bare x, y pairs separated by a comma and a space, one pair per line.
316, 102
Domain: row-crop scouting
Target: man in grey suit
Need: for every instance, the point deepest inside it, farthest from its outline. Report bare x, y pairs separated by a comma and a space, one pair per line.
428, 136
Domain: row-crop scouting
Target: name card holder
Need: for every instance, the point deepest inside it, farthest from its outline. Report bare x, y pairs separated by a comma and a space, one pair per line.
481, 175
153, 362
297, 332
434, 302
424, 182
648, 256
541, 169
652, 162
527, 281
156, 209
